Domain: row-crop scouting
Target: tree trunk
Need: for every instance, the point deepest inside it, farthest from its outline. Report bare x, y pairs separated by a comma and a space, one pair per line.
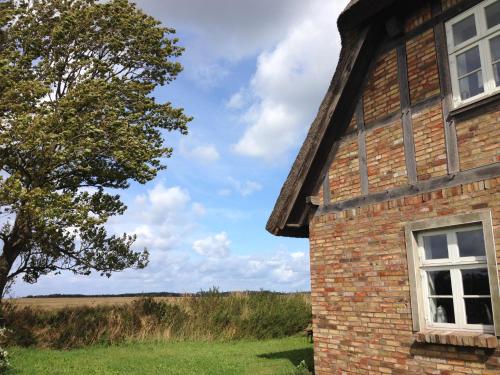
4, 276
12, 247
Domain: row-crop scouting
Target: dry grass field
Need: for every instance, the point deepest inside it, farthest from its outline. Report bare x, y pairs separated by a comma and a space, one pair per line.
69, 322
59, 303
63, 302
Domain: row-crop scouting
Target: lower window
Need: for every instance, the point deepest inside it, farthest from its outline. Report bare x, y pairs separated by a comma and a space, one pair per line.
454, 283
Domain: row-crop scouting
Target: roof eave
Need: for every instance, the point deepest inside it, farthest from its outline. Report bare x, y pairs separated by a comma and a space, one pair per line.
357, 12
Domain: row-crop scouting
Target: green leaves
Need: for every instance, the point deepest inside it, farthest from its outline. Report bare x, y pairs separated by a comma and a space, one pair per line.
77, 112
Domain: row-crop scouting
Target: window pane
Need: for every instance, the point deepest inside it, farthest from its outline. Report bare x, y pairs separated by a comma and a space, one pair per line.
471, 243
464, 30
471, 85
476, 282
478, 311
468, 61
442, 310
436, 247
496, 70
495, 56
439, 283
495, 48
493, 14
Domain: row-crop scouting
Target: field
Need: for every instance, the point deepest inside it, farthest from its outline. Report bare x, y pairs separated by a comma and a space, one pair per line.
59, 303
268, 357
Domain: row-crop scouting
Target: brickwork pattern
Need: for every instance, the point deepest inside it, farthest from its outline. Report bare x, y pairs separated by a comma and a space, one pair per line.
430, 144
385, 157
345, 181
353, 125
418, 18
360, 290
423, 73
381, 96
478, 139
320, 196
359, 275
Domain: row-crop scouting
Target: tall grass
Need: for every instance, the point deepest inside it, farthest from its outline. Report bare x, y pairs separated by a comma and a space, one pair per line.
208, 316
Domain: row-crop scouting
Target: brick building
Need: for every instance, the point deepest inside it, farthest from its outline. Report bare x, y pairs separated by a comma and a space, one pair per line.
397, 187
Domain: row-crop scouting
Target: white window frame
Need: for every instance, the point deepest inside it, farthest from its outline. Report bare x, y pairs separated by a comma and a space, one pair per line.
418, 267
482, 40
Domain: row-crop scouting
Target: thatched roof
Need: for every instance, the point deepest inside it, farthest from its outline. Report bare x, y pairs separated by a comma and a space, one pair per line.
289, 217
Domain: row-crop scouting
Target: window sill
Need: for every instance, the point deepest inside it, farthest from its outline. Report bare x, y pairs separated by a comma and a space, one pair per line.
464, 109
458, 338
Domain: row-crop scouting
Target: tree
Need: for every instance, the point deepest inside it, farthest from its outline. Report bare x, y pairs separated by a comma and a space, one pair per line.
78, 120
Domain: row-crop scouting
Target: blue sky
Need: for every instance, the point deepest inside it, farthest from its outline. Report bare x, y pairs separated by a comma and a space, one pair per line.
255, 73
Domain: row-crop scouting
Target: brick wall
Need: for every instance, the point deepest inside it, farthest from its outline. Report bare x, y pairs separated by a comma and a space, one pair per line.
385, 157
418, 18
360, 287
478, 139
381, 96
344, 172
423, 75
361, 298
430, 147
353, 126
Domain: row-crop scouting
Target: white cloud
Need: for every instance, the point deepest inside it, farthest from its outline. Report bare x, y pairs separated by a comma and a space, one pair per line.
208, 75
199, 152
148, 237
237, 100
161, 218
219, 33
206, 154
245, 188
289, 83
199, 209
227, 29
178, 272
168, 199
216, 246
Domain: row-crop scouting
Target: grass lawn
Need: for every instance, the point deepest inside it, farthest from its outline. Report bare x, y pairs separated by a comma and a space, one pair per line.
268, 357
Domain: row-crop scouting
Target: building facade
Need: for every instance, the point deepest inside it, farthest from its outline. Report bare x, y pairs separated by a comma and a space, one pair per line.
397, 187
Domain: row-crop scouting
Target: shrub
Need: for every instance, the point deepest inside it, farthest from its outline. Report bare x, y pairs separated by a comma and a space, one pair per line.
4, 355
209, 316
301, 369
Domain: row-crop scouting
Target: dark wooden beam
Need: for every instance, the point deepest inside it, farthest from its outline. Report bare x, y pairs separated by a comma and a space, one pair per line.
343, 108
392, 117
421, 187
437, 18
404, 90
326, 190
426, 103
450, 132
363, 166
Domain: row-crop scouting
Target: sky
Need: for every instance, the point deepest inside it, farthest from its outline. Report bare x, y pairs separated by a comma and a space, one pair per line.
255, 72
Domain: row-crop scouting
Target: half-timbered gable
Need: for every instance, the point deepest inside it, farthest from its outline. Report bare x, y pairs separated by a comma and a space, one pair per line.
397, 186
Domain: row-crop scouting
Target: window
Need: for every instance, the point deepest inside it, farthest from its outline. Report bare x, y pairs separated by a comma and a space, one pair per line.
453, 274
474, 48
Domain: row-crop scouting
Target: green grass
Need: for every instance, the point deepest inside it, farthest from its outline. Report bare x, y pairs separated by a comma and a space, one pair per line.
270, 357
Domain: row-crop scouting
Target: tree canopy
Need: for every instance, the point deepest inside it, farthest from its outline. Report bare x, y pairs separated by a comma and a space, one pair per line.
77, 120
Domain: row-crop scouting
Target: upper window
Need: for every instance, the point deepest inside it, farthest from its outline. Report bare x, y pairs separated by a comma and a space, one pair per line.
474, 48
453, 274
